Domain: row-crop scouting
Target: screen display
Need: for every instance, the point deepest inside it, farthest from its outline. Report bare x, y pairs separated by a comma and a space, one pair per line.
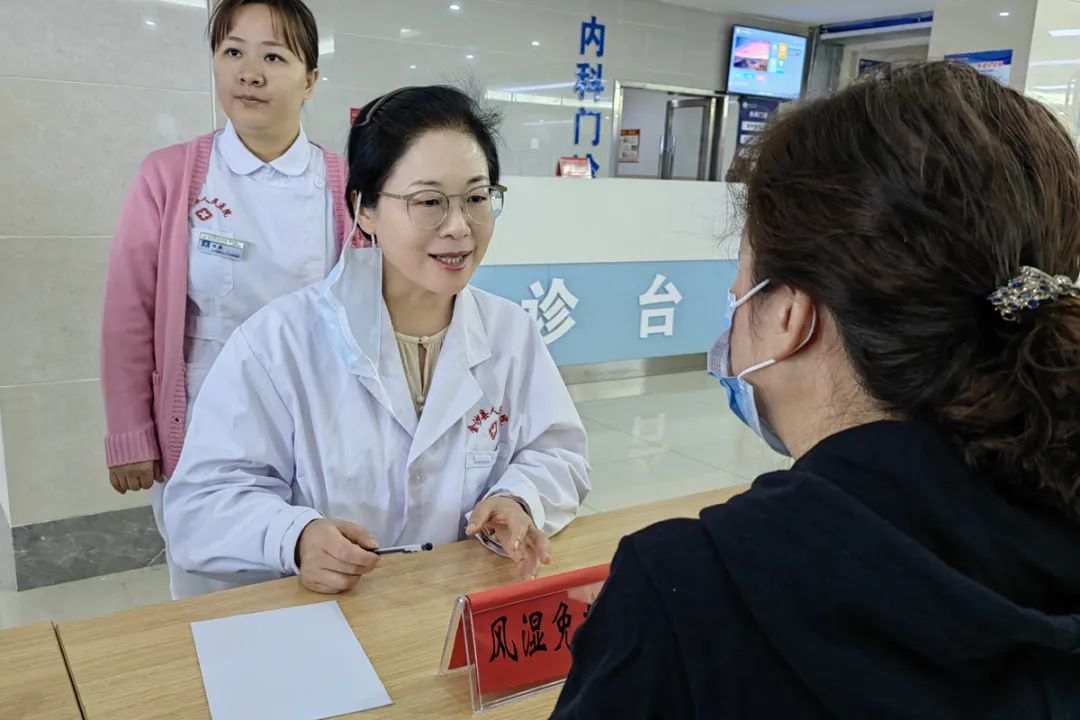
766, 64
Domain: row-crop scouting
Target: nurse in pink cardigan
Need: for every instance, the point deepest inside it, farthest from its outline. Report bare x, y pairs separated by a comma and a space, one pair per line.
211, 231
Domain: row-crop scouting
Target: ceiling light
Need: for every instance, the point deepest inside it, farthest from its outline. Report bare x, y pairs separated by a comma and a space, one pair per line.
536, 43
455, 7
1004, 13
1054, 63
531, 88
1065, 32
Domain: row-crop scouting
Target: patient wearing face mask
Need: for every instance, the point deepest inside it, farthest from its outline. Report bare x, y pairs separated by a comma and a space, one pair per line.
905, 324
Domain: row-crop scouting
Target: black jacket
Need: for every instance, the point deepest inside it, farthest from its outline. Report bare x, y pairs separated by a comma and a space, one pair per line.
879, 578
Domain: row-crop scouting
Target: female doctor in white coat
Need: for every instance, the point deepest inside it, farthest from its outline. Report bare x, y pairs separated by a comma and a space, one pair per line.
392, 403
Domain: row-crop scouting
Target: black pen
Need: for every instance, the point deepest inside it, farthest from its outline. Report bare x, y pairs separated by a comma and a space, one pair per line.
404, 549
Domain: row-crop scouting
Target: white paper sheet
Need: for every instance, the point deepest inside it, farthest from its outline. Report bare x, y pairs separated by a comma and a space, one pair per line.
301, 663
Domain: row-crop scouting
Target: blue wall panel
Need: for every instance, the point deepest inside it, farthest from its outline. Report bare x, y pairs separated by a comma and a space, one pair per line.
607, 317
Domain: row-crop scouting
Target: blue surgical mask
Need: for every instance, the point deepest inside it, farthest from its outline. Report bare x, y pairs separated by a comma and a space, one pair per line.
350, 303
741, 393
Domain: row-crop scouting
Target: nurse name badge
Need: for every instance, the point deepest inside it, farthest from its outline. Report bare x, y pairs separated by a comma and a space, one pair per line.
217, 244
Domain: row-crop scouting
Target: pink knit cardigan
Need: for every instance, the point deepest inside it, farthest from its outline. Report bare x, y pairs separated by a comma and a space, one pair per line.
142, 335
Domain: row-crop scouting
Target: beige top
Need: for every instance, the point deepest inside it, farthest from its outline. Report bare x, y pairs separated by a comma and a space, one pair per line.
419, 374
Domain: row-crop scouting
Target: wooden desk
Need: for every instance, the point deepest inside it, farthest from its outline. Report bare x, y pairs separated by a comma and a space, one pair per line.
34, 681
141, 664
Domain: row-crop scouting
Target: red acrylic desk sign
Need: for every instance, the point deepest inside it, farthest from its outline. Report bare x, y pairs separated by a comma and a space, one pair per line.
514, 641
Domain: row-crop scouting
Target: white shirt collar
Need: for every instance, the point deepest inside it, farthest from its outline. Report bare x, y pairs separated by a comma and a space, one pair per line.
355, 312
243, 162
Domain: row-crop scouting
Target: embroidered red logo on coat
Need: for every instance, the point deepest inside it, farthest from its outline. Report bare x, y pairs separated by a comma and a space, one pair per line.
204, 213
495, 415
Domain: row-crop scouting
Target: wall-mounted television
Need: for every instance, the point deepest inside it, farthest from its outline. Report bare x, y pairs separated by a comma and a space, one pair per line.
766, 64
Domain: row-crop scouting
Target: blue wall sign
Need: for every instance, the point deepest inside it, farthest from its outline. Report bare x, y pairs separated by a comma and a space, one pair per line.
606, 312
754, 115
866, 64
589, 80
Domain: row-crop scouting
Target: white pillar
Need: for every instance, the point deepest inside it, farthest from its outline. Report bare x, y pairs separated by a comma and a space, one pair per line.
1053, 74
962, 26
7, 549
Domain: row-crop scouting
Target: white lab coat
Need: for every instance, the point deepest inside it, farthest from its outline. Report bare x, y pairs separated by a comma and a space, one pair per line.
307, 414
285, 215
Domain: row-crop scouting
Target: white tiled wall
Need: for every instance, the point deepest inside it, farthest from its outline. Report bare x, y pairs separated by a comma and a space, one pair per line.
370, 46
52, 440
88, 87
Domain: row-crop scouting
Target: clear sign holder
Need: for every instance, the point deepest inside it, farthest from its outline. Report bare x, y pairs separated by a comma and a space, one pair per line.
514, 641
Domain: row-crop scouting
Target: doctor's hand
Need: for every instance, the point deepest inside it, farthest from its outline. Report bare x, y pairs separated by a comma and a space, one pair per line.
515, 532
135, 476
333, 554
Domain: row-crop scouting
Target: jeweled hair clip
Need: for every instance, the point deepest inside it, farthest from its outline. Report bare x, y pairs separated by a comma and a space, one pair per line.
1031, 289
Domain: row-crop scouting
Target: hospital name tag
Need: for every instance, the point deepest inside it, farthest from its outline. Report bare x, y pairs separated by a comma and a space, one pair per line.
226, 247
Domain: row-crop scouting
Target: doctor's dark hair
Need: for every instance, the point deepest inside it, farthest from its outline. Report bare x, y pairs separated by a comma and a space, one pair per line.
291, 19
899, 205
386, 127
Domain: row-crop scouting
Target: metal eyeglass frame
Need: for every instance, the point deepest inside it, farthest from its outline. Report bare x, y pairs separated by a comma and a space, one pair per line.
411, 196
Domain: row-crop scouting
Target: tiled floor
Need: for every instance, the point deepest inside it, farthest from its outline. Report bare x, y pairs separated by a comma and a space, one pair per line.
650, 439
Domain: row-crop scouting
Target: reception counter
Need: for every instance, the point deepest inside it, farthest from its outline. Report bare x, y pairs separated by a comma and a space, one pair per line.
616, 270
141, 664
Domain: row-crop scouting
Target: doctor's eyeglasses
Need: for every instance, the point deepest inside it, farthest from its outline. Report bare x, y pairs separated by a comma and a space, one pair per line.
428, 208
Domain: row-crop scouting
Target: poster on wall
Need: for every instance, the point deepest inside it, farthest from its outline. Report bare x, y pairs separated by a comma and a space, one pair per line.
866, 65
992, 63
754, 115
573, 167
629, 146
